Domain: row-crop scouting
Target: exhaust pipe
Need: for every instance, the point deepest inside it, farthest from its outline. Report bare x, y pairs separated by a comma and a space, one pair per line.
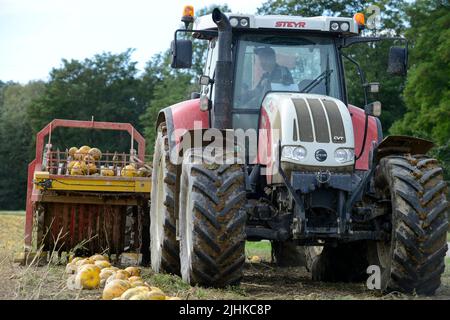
221, 115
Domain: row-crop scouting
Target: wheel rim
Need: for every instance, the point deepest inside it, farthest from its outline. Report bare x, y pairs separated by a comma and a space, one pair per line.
157, 211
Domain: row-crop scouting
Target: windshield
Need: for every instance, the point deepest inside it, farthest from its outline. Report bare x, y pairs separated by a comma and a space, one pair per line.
283, 63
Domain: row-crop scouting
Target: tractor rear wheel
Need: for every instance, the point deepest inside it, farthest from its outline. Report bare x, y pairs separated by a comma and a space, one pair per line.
164, 246
414, 259
346, 262
288, 254
212, 222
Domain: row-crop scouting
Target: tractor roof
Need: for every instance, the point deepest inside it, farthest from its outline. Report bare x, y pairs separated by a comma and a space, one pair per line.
346, 26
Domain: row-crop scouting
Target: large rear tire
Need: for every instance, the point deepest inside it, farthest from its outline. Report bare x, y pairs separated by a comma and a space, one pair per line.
212, 223
414, 259
164, 246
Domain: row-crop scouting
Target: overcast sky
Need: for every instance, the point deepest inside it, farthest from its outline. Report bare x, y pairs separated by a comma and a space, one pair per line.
36, 34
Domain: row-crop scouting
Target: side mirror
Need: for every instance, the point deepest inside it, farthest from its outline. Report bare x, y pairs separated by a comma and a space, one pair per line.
398, 58
373, 87
205, 80
181, 54
373, 109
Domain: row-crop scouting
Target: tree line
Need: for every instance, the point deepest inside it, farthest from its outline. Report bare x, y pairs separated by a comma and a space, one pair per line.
109, 87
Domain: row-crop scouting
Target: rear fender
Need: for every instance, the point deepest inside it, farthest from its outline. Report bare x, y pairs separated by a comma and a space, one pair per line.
402, 145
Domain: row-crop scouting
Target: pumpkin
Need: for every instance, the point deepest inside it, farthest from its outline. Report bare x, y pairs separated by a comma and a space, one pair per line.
91, 168
117, 276
128, 171
134, 279
107, 172
70, 166
105, 273
102, 264
125, 273
255, 259
173, 298
155, 295
84, 150
115, 289
97, 257
133, 271
156, 289
133, 291
84, 261
143, 172
95, 153
71, 268
138, 283
78, 168
72, 151
88, 277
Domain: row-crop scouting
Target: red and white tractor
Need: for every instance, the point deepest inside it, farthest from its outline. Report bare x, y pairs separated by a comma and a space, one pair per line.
306, 169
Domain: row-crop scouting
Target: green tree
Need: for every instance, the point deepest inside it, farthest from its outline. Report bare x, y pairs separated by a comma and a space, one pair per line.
106, 87
16, 149
427, 91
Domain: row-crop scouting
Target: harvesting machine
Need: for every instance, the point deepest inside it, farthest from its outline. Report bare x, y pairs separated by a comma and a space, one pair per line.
98, 210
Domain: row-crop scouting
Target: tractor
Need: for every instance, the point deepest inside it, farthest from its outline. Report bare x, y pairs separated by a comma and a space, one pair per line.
271, 149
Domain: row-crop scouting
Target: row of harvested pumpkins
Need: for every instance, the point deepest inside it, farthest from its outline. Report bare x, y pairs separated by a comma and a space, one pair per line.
83, 162
118, 284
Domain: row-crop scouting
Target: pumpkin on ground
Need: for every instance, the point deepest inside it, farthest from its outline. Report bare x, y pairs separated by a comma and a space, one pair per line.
115, 289
133, 291
88, 277
102, 264
97, 257
71, 268
133, 271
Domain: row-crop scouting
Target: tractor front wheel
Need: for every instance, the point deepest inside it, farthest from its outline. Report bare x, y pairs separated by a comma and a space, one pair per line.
212, 222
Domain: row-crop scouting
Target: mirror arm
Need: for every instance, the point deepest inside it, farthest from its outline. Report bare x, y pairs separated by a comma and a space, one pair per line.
360, 73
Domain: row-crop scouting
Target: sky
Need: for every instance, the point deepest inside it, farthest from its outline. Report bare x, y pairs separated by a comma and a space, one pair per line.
36, 34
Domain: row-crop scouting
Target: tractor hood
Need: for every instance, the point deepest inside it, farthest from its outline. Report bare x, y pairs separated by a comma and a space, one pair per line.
314, 131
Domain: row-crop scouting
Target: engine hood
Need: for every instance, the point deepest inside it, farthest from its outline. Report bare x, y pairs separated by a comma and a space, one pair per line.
319, 124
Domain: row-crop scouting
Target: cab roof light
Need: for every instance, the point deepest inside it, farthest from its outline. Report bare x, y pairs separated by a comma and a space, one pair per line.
188, 15
360, 20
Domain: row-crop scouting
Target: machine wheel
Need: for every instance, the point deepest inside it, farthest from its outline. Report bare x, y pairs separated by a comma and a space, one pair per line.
163, 244
414, 259
346, 262
212, 222
288, 254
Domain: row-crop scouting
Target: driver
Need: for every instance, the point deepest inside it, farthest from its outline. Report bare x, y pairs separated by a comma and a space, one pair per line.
272, 73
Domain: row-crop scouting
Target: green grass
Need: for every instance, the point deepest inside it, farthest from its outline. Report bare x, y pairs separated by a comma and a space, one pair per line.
13, 213
259, 248
448, 237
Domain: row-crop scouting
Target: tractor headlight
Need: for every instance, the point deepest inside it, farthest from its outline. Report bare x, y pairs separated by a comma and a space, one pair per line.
294, 153
343, 155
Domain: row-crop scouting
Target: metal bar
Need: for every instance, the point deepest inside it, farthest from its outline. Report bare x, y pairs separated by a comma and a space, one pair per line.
29, 207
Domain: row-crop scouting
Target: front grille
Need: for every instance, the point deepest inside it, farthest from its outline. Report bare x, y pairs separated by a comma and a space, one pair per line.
312, 117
